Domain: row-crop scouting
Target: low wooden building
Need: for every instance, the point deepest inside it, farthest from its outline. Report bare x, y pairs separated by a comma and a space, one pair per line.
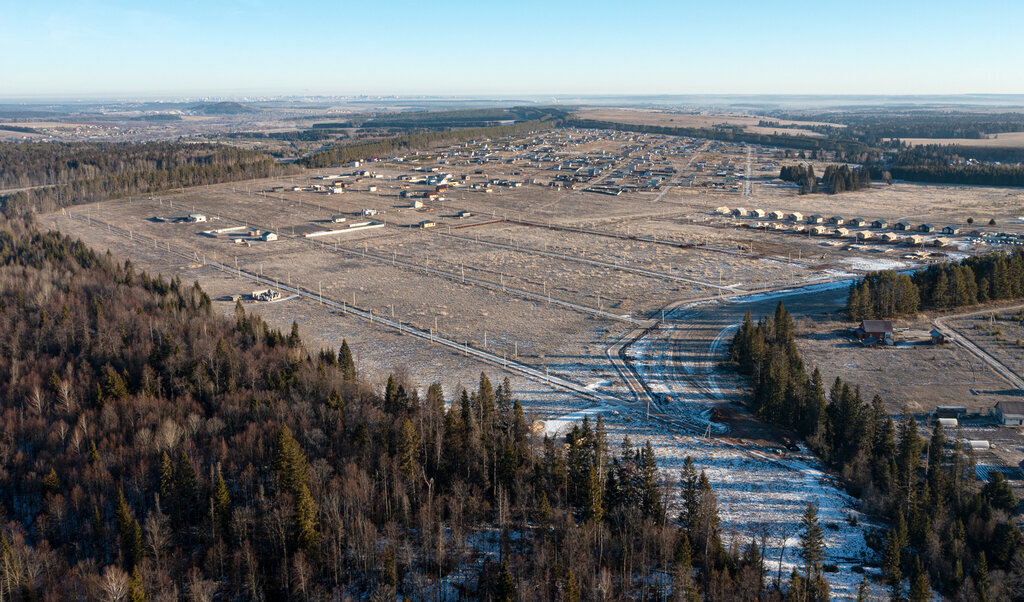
1010, 413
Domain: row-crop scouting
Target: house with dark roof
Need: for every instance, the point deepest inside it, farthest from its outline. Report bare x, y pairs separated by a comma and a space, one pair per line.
880, 330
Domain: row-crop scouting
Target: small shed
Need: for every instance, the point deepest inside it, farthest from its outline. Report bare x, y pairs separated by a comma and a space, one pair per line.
269, 236
757, 213
196, 217
904, 226
865, 235
739, 212
880, 224
777, 215
838, 220
337, 219
841, 232
815, 219
1010, 413
723, 210
927, 228
796, 216
890, 236
818, 230
914, 239
858, 222
938, 338
948, 423
951, 230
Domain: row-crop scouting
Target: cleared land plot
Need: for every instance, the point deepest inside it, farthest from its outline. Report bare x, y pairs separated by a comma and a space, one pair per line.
914, 373
999, 332
543, 334
699, 120
1003, 140
378, 352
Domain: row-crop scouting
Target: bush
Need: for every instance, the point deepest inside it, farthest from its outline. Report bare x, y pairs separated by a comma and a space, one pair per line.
992, 222
970, 220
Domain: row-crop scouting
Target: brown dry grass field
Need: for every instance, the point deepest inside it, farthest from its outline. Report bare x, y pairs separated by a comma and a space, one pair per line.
536, 259
699, 120
1004, 140
914, 373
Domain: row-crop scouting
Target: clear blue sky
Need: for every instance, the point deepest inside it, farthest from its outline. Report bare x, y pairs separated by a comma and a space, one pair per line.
90, 48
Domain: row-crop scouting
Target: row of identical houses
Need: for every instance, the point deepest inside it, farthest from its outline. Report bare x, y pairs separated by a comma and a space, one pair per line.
838, 220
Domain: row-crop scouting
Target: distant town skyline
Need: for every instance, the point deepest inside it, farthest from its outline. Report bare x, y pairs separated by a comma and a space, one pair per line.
237, 48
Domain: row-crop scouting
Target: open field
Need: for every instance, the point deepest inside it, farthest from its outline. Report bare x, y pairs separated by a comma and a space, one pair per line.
700, 120
914, 373
1003, 140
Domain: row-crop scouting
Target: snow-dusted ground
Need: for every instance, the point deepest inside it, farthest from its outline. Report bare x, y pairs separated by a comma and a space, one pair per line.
762, 492
864, 263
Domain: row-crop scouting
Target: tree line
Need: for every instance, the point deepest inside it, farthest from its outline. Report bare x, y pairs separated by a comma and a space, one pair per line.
836, 179
970, 281
945, 531
73, 174
155, 449
878, 127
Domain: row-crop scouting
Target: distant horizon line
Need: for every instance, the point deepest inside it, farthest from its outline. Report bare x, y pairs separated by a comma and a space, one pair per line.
266, 97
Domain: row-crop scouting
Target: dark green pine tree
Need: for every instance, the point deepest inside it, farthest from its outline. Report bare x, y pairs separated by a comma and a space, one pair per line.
136, 589
128, 532
920, 589
222, 503
292, 471
812, 543
348, 365
166, 480
186, 486
506, 591
408, 450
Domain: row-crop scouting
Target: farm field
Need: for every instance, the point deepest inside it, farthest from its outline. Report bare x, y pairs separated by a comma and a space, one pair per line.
699, 120
1001, 140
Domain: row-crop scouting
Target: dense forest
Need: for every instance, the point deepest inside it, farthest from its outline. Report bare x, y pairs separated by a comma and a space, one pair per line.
945, 530
875, 127
843, 178
972, 280
153, 449
72, 174
339, 153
